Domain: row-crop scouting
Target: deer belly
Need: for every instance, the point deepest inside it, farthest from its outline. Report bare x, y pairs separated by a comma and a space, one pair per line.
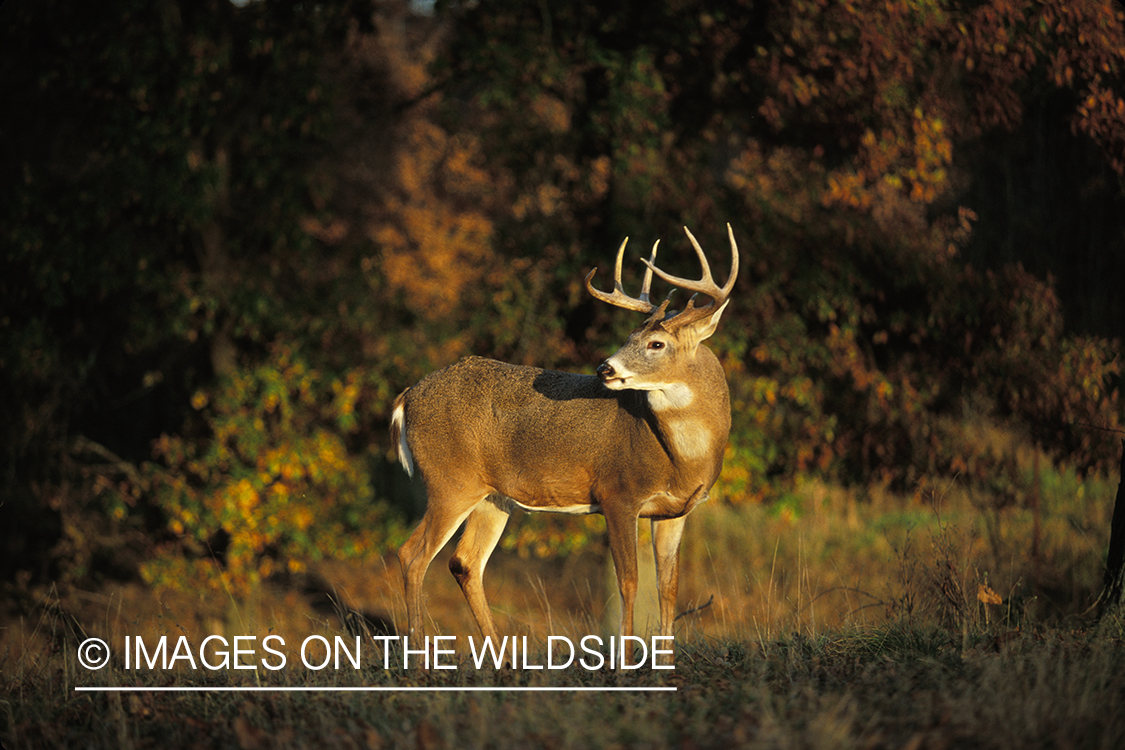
560, 487
575, 509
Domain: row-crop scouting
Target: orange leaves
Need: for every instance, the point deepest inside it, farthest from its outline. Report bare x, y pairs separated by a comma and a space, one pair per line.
1101, 115
434, 255
436, 238
330, 233
867, 69
894, 163
837, 57
847, 188
986, 595
933, 152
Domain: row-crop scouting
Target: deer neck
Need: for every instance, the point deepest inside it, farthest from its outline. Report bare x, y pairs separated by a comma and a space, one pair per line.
692, 419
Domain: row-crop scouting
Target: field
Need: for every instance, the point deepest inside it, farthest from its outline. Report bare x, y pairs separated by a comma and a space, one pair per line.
831, 618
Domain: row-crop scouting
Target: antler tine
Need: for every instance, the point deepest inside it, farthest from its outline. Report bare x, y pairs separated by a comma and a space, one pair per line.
617, 286
702, 258
618, 298
705, 285
647, 284
727, 287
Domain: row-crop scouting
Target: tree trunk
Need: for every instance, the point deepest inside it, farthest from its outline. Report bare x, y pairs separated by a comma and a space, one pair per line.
1112, 586
215, 266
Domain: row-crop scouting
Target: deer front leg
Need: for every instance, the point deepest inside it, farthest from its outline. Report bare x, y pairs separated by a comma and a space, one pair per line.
482, 530
666, 536
622, 531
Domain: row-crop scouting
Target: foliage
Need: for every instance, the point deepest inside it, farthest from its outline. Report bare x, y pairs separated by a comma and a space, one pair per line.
236, 231
274, 487
829, 130
152, 246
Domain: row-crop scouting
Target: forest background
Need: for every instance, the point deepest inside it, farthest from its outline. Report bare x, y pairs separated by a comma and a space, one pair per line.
232, 233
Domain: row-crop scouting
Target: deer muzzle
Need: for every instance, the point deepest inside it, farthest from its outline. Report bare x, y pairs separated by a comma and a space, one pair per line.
613, 378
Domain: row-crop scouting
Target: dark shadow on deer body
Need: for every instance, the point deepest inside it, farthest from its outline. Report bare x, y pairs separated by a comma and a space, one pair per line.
643, 439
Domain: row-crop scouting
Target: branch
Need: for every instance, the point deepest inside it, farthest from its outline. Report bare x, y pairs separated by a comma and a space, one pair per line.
700, 608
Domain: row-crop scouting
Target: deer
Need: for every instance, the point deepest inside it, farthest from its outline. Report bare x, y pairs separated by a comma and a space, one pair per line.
643, 438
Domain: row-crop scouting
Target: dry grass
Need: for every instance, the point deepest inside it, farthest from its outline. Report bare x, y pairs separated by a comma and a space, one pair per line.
837, 618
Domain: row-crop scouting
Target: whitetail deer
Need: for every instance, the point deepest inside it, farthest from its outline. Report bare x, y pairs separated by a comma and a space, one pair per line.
642, 439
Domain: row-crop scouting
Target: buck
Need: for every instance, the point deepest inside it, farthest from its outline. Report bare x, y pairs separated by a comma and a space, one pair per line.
644, 438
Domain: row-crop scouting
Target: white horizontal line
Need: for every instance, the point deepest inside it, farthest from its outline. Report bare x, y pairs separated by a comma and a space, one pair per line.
267, 689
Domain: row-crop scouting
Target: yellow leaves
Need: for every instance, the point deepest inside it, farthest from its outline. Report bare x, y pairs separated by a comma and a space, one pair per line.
275, 478
245, 499
199, 400
538, 536
735, 474
330, 452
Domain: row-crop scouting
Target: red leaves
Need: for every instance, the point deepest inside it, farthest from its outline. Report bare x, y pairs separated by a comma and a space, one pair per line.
1004, 46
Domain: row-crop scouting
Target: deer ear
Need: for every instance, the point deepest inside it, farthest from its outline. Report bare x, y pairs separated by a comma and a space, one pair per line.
708, 326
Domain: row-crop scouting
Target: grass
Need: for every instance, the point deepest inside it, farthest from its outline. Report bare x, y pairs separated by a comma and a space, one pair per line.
845, 619
878, 687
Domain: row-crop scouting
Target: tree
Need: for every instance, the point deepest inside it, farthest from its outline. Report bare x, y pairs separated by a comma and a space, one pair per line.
156, 187
234, 232
829, 132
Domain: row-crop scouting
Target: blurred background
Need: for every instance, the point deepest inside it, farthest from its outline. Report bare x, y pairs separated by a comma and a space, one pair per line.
233, 232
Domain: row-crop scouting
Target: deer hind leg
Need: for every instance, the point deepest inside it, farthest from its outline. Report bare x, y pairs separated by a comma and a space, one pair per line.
442, 518
666, 536
482, 530
623, 546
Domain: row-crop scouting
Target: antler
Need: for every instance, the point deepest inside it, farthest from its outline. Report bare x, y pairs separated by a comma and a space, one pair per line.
706, 285
618, 298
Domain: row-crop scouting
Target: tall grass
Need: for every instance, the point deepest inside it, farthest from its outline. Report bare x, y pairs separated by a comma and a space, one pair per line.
830, 618
826, 558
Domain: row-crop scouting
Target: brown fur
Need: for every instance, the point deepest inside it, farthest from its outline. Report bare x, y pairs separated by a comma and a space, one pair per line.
645, 439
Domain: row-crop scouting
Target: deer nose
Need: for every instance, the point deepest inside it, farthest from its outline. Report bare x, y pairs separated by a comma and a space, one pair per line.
605, 371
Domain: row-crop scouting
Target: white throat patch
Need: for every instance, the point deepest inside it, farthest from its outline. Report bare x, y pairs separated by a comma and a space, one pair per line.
664, 396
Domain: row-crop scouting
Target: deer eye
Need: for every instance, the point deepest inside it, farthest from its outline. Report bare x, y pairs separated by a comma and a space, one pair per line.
656, 345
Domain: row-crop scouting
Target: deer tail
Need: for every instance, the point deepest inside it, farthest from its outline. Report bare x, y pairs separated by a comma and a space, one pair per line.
398, 433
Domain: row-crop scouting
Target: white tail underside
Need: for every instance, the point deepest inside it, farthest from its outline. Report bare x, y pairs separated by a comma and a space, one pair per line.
398, 420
